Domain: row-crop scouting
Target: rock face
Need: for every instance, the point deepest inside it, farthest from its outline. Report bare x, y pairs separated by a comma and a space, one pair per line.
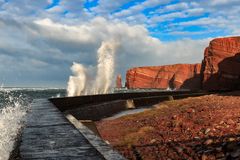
220, 70
178, 76
119, 81
221, 64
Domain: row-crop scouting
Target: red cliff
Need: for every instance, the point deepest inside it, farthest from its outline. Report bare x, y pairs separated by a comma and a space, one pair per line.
178, 76
220, 70
221, 64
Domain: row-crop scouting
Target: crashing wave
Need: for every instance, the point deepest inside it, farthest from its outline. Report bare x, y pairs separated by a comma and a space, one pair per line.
12, 115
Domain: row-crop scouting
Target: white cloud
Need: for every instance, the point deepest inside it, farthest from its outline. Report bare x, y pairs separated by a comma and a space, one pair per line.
45, 49
73, 12
135, 41
56, 9
75, 6
167, 17
24, 7
211, 15
217, 22
195, 11
222, 2
173, 7
39, 43
139, 7
108, 6
174, 15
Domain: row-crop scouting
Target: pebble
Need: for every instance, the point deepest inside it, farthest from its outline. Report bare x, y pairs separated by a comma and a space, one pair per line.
235, 154
220, 155
153, 141
231, 139
204, 157
190, 110
221, 122
208, 142
197, 138
231, 146
219, 149
238, 126
179, 149
174, 116
230, 121
207, 130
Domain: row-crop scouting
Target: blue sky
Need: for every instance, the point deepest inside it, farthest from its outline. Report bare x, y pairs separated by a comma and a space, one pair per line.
41, 39
163, 18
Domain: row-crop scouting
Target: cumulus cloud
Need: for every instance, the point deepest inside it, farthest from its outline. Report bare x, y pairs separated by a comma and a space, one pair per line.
39, 40
151, 13
23, 8
131, 38
44, 50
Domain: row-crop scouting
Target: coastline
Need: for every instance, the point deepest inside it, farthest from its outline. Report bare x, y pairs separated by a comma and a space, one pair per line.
192, 126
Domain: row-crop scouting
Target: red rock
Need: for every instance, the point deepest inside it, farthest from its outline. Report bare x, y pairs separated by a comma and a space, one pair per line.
208, 142
178, 76
220, 70
119, 81
221, 64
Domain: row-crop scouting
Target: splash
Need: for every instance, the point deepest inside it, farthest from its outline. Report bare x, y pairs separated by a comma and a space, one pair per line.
1, 87
105, 68
104, 75
77, 82
12, 116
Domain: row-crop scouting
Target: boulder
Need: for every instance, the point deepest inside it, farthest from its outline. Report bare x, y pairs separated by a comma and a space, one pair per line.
178, 76
221, 64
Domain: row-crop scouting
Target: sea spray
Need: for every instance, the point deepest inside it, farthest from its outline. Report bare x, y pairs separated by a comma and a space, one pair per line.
81, 84
12, 115
77, 82
105, 67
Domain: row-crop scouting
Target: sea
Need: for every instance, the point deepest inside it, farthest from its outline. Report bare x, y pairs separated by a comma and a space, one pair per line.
14, 105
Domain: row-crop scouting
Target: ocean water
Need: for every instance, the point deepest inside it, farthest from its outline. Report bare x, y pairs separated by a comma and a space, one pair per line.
14, 105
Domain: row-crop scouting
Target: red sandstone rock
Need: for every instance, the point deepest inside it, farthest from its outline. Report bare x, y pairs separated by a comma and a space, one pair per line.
221, 64
119, 81
220, 70
197, 128
178, 76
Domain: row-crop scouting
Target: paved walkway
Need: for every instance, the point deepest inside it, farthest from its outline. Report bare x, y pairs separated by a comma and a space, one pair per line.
49, 135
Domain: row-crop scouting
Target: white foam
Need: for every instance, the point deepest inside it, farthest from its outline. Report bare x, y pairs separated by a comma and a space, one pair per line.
105, 67
11, 121
77, 82
27, 89
82, 84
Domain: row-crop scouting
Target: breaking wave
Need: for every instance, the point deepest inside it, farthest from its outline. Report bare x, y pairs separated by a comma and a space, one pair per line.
82, 83
13, 110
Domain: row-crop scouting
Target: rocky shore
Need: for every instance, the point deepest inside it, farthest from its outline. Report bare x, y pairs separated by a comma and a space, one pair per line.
205, 127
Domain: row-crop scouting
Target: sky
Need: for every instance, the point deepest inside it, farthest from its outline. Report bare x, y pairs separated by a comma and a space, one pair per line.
40, 39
